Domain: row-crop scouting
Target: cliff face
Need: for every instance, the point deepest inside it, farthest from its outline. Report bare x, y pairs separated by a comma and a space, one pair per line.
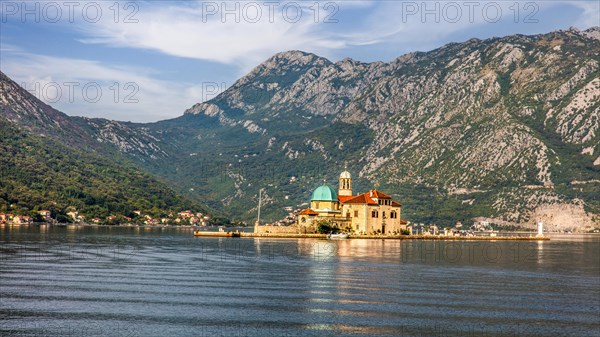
502, 128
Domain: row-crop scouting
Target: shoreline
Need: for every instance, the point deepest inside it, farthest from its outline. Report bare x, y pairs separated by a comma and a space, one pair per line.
371, 237
204, 233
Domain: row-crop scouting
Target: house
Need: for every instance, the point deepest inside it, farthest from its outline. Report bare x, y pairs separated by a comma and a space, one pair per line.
74, 215
22, 220
185, 214
45, 213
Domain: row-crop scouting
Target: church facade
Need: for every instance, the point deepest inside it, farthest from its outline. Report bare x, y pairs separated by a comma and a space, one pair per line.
373, 212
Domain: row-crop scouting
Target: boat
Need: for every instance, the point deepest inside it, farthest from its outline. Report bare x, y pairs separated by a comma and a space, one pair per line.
339, 236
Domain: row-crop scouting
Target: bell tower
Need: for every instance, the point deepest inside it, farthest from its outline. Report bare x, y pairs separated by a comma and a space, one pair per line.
345, 187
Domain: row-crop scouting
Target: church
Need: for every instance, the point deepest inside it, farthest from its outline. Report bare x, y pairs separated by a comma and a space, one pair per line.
373, 212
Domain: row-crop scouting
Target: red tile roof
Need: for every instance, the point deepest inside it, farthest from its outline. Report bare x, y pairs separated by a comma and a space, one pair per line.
378, 194
343, 198
361, 199
366, 198
308, 211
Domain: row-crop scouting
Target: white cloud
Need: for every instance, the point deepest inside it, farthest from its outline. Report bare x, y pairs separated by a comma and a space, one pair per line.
88, 88
205, 31
210, 31
590, 16
195, 30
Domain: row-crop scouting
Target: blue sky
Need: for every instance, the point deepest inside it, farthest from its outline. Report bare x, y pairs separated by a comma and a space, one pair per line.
145, 61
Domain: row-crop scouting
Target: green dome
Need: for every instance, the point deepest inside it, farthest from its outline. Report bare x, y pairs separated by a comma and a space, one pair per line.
324, 193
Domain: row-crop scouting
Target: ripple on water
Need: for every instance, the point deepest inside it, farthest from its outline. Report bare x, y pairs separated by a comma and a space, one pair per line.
172, 285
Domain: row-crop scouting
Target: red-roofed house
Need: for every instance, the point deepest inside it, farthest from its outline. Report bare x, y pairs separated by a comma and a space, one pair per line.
22, 220
374, 212
45, 213
185, 214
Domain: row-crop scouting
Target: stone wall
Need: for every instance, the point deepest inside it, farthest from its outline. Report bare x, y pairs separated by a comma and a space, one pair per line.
276, 229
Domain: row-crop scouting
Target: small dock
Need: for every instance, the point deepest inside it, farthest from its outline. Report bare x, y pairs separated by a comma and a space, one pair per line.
218, 234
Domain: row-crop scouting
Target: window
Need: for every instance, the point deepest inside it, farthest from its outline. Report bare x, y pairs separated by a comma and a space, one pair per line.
393, 215
374, 214
303, 219
356, 214
347, 214
383, 215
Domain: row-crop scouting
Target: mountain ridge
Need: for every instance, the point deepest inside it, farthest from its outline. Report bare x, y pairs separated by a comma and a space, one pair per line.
497, 128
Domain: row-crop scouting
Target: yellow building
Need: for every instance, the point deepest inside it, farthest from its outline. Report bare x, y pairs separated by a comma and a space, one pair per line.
372, 212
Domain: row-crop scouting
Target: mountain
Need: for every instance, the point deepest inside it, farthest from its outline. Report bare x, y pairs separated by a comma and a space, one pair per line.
52, 161
504, 129
92, 134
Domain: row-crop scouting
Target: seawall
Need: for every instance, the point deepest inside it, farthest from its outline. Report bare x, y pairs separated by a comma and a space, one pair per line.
373, 237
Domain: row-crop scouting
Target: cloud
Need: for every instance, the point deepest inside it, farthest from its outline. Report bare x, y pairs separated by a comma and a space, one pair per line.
244, 33
590, 15
90, 88
237, 35
226, 32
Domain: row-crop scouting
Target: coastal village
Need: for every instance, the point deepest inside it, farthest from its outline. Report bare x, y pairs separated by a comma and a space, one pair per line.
138, 217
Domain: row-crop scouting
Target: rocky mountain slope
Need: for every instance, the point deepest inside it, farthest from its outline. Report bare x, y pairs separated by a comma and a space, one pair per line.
504, 128
499, 127
23, 109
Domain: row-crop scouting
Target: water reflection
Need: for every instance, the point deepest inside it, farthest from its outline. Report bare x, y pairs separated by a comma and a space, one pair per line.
540, 253
159, 282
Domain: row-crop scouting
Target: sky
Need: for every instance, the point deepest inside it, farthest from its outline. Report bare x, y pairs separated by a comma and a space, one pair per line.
144, 61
